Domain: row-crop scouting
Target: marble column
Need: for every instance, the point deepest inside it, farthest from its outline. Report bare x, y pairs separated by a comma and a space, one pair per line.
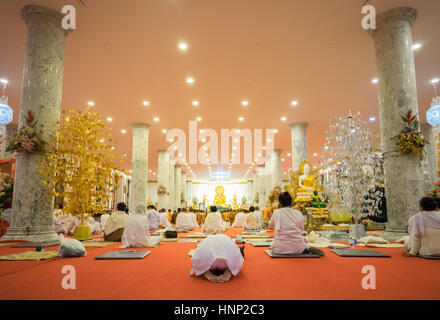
172, 202
431, 151
140, 164
3, 141
404, 180
268, 178
276, 168
164, 178
299, 143
177, 185
11, 128
32, 203
261, 187
183, 188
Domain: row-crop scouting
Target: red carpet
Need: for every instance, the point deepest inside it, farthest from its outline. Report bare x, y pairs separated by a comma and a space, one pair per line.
164, 274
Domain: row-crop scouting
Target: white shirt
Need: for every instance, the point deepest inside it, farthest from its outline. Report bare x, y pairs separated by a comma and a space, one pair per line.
213, 224
289, 226
153, 219
252, 221
137, 232
163, 219
183, 221
240, 220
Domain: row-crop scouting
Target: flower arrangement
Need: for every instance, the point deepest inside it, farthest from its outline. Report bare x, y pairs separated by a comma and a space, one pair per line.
317, 201
435, 192
6, 188
28, 138
161, 190
410, 140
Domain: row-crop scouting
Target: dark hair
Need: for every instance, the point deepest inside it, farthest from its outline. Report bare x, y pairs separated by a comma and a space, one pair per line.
285, 199
213, 209
251, 209
121, 206
150, 206
179, 210
162, 210
428, 204
257, 208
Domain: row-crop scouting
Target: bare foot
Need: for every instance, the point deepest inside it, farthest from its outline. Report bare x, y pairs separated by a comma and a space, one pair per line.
210, 276
225, 276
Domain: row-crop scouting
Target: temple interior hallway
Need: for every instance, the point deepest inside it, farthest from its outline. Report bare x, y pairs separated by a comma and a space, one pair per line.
164, 274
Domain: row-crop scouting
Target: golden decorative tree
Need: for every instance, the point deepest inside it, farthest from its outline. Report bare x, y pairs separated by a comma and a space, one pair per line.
81, 166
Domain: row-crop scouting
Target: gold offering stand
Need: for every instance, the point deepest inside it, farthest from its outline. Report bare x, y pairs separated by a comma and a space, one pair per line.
316, 217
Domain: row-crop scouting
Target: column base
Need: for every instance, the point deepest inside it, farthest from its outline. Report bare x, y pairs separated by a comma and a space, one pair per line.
35, 234
393, 232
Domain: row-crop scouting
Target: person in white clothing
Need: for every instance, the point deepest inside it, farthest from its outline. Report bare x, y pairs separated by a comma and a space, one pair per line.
183, 221
137, 231
240, 220
114, 225
213, 222
58, 225
193, 218
252, 220
217, 257
103, 219
163, 219
153, 218
424, 229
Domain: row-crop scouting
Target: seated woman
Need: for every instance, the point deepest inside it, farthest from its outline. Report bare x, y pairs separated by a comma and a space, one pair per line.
252, 220
217, 257
289, 226
137, 231
240, 220
424, 229
163, 219
193, 218
183, 221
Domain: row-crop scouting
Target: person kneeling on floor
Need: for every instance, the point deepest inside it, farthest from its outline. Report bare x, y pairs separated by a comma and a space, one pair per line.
424, 230
217, 257
114, 225
137, 230
289, 226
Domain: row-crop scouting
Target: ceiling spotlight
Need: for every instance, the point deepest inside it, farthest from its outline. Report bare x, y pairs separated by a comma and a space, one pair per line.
4, 81
416, 46
199, 119
315, 154
283, 159
289, 154
375, 80
90, 103
146, 103
283, 118
164, 130
102, 140
372, 119
245, 103
156, 119
275, 130
124, 131
195, 103
294, 103
109, 119
182, 46
240, 119
436, 80
269, 140
190, 80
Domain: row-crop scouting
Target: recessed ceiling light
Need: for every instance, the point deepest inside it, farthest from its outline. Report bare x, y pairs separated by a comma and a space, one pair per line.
372, 119
195, 103
375, 80
4, 81
245, 103
315, 154
170, 140
283, 118
146, 103
294, 103
264, 147
164, 130
435, 80
182, 46
190, 80
275, 130
199, 119
109, 119
240, 119
90, 103
289, 154
283, 159
269, 140
124, 131
416, 46
156, 119
102, 140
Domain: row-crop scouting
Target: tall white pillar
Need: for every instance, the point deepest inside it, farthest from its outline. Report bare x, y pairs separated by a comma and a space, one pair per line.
183, 188
140, 163
164, 178
276, 168
261, 187
32, 203
268, 178
178, 185
404, 180
172, 202
299, 143
431, 151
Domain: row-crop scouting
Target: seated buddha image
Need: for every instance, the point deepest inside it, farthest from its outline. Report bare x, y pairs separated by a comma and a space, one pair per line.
219, 198
306, 183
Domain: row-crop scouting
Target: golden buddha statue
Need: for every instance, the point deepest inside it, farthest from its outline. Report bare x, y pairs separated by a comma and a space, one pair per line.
219, 198
306, 183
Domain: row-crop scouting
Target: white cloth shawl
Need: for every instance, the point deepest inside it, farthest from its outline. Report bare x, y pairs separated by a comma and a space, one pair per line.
137, 232
214, 251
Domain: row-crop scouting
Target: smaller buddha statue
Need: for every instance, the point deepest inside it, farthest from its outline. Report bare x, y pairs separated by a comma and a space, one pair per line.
306, 183
235, 202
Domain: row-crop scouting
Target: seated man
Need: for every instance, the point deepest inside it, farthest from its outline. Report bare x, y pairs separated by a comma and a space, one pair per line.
217, 257
163, 219
289, 226
114, 226
240, 220
213, 222
252, 220
137, 231
424, 229
193, 218
183, 221
153, 218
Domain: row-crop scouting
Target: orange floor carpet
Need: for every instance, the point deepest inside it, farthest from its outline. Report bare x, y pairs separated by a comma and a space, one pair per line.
164, 275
